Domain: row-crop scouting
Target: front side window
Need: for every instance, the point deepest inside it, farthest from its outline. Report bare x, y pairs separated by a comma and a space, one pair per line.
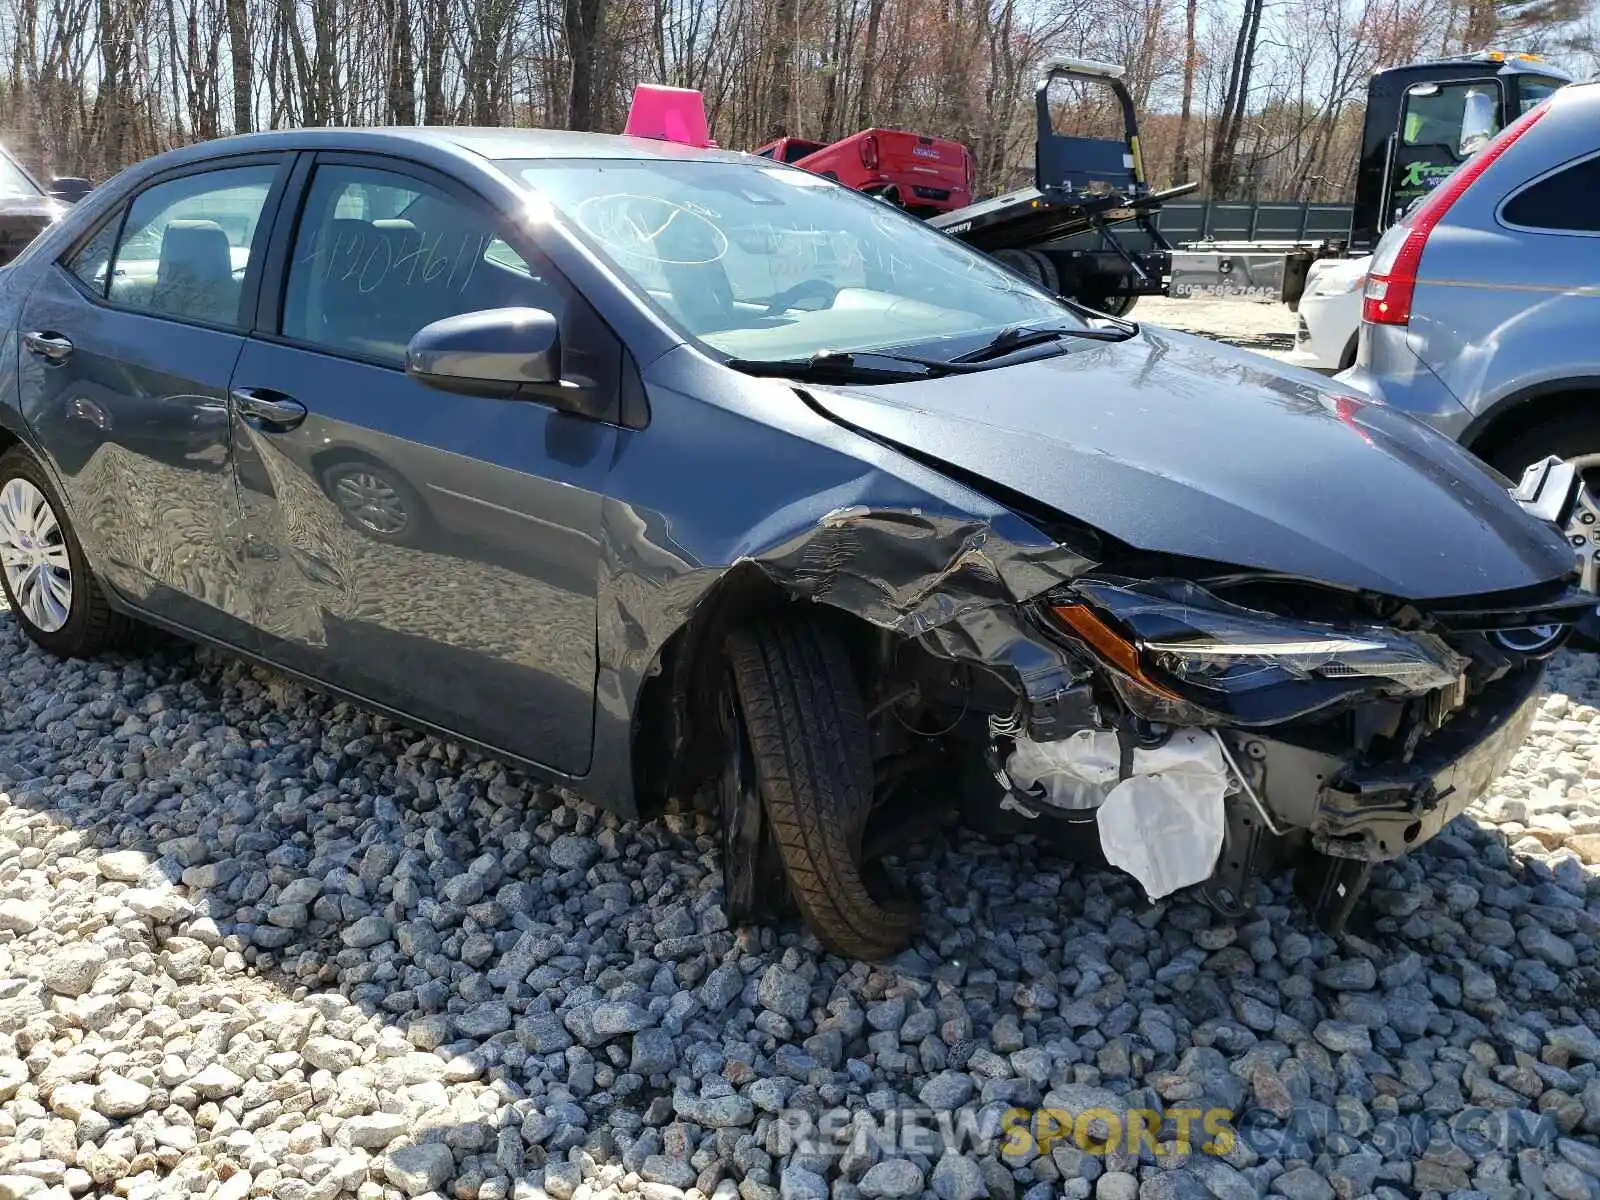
771, 263
379, 254
187, 242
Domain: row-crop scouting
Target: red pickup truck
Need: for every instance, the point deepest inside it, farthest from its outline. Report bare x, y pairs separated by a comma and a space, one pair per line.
923, 174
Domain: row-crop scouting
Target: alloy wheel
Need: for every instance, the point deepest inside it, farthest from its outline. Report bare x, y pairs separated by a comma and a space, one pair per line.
33, 554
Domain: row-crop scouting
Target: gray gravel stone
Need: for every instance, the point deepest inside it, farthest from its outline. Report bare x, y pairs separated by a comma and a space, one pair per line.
798, 1183
956, 1177
784, 992
72, 970
20, 916
561, 1179
366, 932
119, 1097
654, 1052
891, 1179
1303, 1183
484, 1020
573, 853
123, 866
416, 1170
385, 940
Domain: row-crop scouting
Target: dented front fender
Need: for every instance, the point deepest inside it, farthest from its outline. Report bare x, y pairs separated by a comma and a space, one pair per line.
847, 522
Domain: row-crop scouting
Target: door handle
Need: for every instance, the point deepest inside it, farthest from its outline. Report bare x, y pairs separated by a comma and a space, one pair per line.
269, 408
51, 347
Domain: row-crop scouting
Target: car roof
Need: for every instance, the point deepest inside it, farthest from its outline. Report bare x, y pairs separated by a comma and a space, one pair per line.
493, 143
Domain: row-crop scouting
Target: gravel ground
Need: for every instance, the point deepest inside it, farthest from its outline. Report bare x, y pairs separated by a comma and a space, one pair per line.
257, 942
1265, 328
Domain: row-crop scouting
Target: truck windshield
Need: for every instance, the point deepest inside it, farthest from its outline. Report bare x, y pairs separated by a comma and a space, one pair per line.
769, 263
1531, 89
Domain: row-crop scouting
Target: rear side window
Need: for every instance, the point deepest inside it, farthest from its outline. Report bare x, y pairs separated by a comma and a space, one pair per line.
1562, 201
186, 245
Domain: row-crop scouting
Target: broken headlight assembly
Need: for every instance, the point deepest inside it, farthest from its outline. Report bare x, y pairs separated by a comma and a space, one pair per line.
1180, 655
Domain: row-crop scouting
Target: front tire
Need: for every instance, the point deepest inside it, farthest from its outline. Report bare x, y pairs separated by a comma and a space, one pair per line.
800, 707
45, 576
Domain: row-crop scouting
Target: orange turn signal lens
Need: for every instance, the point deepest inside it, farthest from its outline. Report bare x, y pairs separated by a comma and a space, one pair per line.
1108, 644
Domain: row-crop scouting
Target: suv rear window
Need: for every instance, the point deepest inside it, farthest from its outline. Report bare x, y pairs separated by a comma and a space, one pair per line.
1564, 200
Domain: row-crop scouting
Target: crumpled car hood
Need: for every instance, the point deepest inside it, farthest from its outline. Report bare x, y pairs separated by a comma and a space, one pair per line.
1177, 445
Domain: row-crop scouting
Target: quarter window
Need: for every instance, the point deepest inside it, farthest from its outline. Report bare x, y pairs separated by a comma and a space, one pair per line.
1563, 201
379, 254
186, 245
90, 261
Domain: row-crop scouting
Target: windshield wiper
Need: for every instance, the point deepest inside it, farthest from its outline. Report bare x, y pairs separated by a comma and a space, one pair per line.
845, 366
1020, 337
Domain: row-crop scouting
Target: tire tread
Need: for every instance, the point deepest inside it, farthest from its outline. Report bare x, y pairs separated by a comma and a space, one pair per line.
808, 736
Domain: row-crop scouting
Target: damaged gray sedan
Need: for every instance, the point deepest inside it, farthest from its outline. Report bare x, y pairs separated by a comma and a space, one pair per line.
680, 476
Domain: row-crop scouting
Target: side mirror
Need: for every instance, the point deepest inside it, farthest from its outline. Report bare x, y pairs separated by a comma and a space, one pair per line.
496, 352
1477, 122
69, 189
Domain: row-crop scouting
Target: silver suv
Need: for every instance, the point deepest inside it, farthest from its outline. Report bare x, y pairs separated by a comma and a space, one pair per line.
1481, 313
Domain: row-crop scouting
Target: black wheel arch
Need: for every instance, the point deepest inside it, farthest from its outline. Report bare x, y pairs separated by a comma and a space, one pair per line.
675, 737
1515, 414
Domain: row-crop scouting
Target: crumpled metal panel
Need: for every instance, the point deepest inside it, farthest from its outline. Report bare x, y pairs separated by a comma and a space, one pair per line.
955, 584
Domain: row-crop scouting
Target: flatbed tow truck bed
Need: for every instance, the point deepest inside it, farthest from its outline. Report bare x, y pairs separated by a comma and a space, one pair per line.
1081, 185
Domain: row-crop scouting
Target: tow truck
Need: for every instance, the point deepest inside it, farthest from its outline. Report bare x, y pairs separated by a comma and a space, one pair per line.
1082, 185
1423, 120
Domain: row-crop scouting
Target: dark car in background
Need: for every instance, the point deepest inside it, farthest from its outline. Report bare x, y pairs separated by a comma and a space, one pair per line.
26, 208
681, 476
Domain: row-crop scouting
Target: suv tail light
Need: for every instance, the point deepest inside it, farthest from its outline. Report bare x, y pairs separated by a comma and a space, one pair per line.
869, 152
1393, 278
967, 156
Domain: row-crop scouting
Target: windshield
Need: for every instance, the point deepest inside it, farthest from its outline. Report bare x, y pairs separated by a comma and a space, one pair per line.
768, 263
1533, 89
14, 181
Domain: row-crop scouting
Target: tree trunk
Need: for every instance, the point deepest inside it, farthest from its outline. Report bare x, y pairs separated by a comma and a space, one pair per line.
777, 116
1235, 103
434, 108
869, 65
243, 78
583, 19
1191, 54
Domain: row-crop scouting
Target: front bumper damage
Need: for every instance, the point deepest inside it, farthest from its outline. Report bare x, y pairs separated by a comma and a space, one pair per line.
967, 647
1318, 792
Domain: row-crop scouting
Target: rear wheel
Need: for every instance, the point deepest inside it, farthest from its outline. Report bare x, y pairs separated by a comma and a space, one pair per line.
1572, 436
1033, 265
801, 714
1118, 305
43, 571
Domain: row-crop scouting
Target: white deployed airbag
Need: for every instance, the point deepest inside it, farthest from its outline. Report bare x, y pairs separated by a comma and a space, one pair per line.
1163, 824
1073, 773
